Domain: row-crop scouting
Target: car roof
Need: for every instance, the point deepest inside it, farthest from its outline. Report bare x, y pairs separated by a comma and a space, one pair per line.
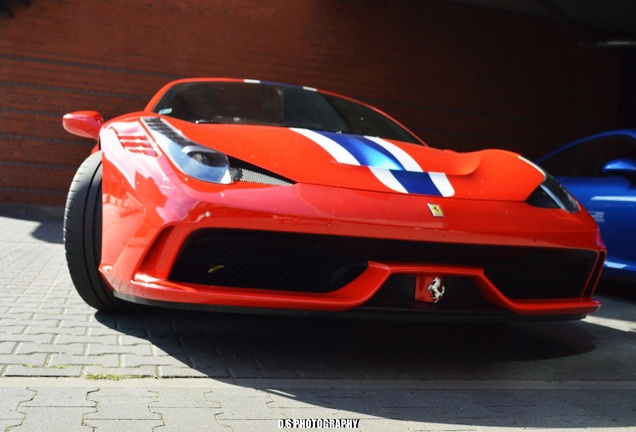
606, 134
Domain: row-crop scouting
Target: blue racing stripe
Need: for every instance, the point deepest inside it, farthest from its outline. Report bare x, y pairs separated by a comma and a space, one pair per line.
371, 154
365, 151
416, 182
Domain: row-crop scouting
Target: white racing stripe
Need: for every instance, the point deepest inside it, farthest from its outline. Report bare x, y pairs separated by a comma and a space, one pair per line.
440, 180
442, 184
385, 176
333, 148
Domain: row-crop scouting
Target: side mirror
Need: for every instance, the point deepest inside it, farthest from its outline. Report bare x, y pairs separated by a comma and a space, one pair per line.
621, 167
83, 123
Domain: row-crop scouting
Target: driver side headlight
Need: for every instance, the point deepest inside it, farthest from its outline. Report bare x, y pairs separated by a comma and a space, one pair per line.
193, 159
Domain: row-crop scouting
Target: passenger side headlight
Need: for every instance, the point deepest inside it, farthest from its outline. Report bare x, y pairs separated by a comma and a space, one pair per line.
550, 194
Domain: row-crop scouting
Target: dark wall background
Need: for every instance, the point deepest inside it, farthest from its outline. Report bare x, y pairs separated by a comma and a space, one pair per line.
461, 77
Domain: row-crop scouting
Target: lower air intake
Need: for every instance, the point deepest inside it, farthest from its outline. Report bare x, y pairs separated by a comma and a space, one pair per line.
273, 261
319, 263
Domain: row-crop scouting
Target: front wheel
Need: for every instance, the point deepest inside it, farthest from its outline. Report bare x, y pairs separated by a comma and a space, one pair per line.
83, 238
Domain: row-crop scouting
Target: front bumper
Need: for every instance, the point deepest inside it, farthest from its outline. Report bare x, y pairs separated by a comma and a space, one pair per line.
506, 258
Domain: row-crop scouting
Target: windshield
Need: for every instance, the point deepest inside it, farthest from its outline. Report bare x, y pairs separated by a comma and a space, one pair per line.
276, 105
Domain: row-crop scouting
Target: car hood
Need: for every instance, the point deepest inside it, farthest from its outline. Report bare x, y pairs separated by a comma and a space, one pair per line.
369, 163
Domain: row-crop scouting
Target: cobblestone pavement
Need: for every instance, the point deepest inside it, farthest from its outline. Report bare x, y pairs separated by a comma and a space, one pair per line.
64, 367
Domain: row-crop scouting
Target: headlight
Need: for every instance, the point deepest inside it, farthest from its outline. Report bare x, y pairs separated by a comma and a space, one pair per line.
550, 194
193, 159
204, 163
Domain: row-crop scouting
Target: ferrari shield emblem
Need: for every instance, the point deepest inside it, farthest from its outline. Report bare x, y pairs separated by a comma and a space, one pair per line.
436, 210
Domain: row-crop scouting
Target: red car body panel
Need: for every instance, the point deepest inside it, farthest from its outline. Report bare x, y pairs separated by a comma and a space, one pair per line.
151, 209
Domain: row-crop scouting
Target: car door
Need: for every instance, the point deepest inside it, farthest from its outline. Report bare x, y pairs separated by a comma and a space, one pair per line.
608, 195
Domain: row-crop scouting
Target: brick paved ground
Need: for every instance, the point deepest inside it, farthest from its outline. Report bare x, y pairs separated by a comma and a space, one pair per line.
64, 367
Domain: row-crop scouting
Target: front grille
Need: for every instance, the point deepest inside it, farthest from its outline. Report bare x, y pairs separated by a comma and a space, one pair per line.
317, 263
249, 259
540, 275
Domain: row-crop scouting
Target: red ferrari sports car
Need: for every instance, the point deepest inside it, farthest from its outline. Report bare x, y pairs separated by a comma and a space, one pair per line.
242, 195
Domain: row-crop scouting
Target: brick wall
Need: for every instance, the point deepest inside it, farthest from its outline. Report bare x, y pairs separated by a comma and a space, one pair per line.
461, 77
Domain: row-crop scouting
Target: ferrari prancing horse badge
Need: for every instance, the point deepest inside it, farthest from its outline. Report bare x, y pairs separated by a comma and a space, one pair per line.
436, 210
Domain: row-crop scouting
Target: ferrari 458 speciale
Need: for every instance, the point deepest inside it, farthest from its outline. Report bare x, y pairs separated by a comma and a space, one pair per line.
243, 195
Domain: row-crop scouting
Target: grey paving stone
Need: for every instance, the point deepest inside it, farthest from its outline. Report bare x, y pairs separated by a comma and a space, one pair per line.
50, 311
65, 337
273, 362
116, 403
60, 396
26, 339
30, 360
10, 424
169, 346
54, 419
381, 425
132, 340
215, 372
37, 329
133, 360
11, 399
180, 397
8, 347
186, 419
206, 360
186, 372
105, 361
149, 371
33, 371
243, 372
18, 316
249, 406
138, 349
37, 346
11, 333
125, 425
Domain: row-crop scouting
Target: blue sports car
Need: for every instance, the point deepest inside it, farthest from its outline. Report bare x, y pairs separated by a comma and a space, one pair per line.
600, 171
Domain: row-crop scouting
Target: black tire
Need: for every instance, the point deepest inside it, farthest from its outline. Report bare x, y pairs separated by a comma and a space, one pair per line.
83, 238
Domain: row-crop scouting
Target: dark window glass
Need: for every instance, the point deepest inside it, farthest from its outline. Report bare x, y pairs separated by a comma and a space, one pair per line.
276, 105
588, 159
